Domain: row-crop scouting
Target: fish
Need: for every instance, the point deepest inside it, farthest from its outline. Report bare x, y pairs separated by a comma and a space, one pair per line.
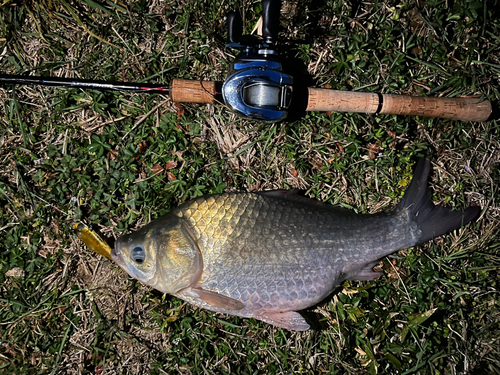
268, 255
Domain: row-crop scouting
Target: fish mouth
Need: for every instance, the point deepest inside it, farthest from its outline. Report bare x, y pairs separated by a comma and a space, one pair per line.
116, 255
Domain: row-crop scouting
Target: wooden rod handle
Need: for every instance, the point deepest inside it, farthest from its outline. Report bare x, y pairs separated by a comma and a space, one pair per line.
187, 91
468, 109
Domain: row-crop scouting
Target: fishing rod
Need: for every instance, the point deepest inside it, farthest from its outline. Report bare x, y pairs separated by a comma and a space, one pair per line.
180, 90
257, 88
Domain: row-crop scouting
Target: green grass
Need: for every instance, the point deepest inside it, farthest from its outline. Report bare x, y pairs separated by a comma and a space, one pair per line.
68, 155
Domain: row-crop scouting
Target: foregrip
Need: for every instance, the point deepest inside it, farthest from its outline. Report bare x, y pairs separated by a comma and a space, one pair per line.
187, 91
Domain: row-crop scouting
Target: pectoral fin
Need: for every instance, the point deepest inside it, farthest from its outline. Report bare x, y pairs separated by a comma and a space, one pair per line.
218, 300
291, 320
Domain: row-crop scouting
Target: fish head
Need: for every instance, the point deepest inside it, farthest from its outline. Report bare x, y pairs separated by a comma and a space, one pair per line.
163, 255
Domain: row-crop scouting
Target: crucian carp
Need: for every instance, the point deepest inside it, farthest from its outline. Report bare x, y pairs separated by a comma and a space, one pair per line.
270, 254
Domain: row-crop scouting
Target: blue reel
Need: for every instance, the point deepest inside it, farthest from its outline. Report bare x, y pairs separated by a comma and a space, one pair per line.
257, 88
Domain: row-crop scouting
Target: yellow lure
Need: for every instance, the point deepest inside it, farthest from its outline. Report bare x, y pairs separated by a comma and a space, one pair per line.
93, 241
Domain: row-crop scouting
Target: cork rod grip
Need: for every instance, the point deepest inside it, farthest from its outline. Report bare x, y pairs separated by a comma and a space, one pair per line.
186, 91
467, 109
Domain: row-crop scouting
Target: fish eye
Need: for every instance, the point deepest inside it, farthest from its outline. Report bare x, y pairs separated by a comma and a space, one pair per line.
138, 254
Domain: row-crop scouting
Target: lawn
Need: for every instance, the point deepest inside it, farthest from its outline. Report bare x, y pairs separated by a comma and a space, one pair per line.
119, 160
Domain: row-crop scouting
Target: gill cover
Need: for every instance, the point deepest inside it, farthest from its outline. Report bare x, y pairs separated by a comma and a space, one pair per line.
179, 259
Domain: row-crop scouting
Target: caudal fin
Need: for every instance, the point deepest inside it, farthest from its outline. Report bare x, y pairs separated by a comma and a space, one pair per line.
432, 220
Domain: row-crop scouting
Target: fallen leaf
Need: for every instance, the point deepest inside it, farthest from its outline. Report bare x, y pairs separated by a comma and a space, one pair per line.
341, 149
112, 154
156, 169
180, 110
15, 272
171, 164
373, 150
171, 176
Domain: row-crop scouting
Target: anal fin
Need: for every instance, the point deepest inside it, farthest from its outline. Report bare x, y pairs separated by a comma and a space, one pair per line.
366, 273
291, 320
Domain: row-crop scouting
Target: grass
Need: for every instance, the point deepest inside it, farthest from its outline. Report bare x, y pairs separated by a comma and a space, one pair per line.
119, 161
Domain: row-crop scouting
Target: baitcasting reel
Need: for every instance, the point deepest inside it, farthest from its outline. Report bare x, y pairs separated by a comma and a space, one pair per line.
257, 88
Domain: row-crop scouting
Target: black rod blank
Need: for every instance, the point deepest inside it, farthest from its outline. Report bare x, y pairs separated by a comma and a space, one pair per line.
147, 88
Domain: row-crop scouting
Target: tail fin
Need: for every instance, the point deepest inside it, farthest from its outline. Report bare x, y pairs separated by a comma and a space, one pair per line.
432, 220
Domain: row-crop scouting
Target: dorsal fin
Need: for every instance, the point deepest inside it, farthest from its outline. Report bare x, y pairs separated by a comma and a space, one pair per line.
295, 196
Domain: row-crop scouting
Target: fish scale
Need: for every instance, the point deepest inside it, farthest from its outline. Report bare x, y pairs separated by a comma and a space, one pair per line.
255, 253
270, 254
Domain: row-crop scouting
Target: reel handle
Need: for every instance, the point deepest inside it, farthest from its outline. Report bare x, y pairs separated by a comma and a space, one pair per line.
270, 19
466, 109
234, 27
